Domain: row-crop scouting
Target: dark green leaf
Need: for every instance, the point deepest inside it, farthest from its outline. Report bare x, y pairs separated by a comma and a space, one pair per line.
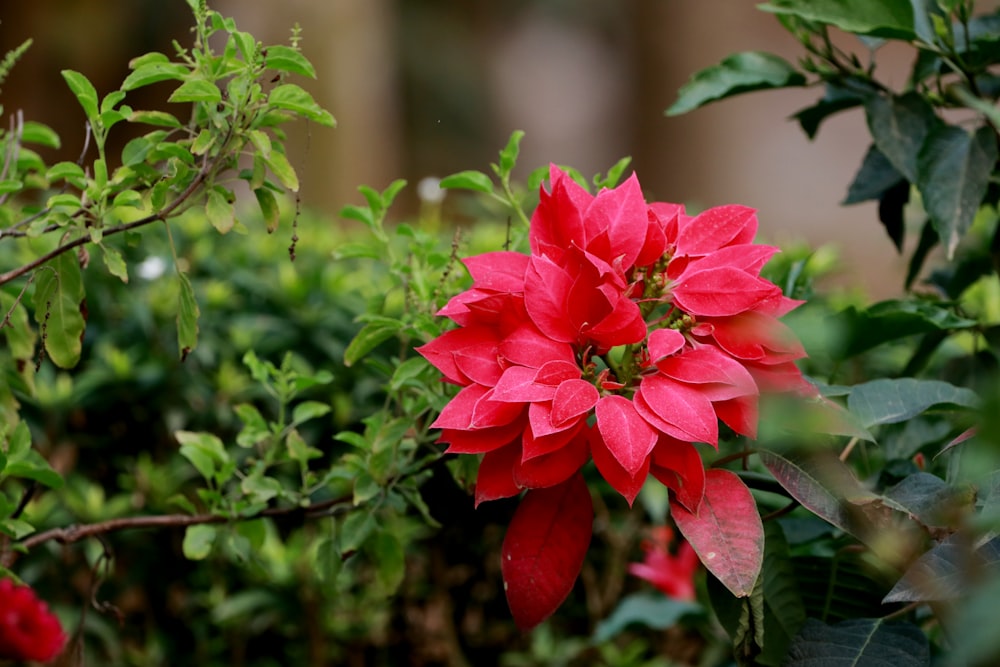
874, 177
85, 93
468, 180
646, 609
834, 101
739, 73
782, 598
354, 531
946, 572
58, 295
885, 18
390, 561
899, 126
891, 320
953, 171
286, 59
369, 337
862, 642
930, 500
889, 401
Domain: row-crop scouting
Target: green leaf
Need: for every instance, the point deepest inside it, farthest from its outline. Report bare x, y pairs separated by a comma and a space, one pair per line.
785, 611
892, 320
293, 98
36, 133
307, 410
390, 562
158, 118
737, 74
298, 450
946, 572
20, 334
85, 93
468, 180
261, 489
875, 176
187, 317
205, 451
835, 100
196, 90
884, 18
646, 609
953, 171
219, 210
286, 59
115, 263
354, 531
70, 172
282, 170
268, 208
369, 338
154, 72
899, 125
889, 401
57, 299
509, 153
614, 174
859, 642
198, 541
31, 465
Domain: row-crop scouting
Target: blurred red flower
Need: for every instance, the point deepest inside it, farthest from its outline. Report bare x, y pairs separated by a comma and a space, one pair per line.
28, 630
672, 573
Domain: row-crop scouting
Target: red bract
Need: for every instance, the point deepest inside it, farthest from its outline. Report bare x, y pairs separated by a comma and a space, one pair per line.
671, 572
28, 630
626, 335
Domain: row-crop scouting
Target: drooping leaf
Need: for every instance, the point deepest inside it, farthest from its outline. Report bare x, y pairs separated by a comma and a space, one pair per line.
949, 571
154, 72
286, 59
727, 532
85, 92
739, 73
187, 317
835, 100
36, 133
293, 98
953, 171
219, 210
808, 482
198, 541
930, 500
889, 401
283, 170
899, 125
196, 90
784, 608
366, 340
886, 18
268, 208
57, 302
874, 177
862, 642
544, 548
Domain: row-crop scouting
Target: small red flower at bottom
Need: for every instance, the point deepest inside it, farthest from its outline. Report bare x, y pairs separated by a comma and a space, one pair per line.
28, 630
672, 573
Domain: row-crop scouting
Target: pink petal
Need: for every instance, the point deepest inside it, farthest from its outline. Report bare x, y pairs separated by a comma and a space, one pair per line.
664, 342
572, 399
554, 468
756, 337
483, 440
502, 271
720, 291
540, 419
557, 222
678, 466
720, 376
622, 212
496, 475
739, 414
717, 227
534, 446
526, 346
546, 288
458, 412
626, 435
612, 471
517, 385
478, 346
554, 373
489, 413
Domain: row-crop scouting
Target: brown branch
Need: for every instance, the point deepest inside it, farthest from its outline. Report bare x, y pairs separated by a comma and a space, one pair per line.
160, 215
76, 533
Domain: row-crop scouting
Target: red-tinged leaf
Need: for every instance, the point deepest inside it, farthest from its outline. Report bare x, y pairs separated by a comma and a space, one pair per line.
464, 355
677, 409
622, 212
458, 413
554, 373
553, 468
502, 271
623, 326
739, 414
557, 221
496, 474
678, 466
720, 292
626, 434
727, 532
612, 471
544, 548
719, 376
959, 439
526, 346
756, 337
533, 445
546, 287
664, 342
517, 385
749, 258
659, 215
572, 399
489, 413
715, 228
482, 440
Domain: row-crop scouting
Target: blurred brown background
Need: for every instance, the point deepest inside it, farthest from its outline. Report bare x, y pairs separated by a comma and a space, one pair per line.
429, 87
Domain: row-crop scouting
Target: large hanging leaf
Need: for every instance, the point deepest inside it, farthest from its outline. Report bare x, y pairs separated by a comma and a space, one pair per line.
739, 73
544, 547
953, 170
886, 18
862, 642
889, 401
899, 125
727, 532
808, 481
57, 299
784, 610
946, 572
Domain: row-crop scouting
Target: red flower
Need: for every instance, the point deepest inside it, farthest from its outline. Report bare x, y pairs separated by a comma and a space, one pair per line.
672, 573
28, 630
627, 334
